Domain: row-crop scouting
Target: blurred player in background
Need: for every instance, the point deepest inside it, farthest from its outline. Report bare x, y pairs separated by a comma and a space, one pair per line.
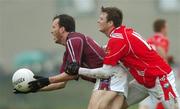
159, 42
152, 74
87, 53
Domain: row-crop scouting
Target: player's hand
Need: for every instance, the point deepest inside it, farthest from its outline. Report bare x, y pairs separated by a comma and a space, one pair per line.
20, 92
72, 68
170, 60
37, 77
30, 91
39, 83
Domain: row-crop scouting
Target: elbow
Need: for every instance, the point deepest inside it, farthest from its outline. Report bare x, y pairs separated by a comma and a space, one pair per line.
64, 85
61, 85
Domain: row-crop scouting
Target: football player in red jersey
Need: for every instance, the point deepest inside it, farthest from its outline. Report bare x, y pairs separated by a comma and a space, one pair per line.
87, 53
152, 73
160, 43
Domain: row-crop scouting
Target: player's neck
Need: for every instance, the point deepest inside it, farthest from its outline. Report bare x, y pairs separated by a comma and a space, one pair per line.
64, 38
108, 32
164, 34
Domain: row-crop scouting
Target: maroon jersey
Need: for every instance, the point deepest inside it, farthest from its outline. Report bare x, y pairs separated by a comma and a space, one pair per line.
84, 50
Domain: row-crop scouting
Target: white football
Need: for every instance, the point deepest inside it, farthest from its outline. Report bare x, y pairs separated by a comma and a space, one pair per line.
21, 78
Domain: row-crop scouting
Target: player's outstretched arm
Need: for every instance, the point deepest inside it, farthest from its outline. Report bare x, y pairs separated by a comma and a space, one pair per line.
34, 86
102, 72
54, 86
50, 83
63, 77
39, 83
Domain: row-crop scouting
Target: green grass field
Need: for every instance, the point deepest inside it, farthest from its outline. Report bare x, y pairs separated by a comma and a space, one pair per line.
75, 96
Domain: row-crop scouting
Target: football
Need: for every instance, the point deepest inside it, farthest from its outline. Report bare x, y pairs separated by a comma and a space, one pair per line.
21, 78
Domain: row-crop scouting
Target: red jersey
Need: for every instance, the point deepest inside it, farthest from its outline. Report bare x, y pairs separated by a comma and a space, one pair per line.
136, 54
159, 40
84, 50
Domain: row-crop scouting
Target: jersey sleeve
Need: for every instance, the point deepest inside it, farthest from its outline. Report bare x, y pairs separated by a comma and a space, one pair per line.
74, 49
116, 48
62, 68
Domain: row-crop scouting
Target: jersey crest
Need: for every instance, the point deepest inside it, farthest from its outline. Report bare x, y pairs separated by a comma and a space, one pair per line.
117, 35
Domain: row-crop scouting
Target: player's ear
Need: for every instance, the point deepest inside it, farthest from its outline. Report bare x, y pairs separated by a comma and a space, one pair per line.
63, 29
110, 23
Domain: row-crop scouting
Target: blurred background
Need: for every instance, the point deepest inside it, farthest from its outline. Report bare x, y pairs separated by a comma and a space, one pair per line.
25, 41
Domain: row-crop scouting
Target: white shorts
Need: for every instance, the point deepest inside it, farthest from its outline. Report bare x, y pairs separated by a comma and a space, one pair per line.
151, 103
117, 84
164, 91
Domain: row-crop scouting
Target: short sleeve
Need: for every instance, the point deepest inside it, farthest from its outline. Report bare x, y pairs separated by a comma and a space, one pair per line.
62, 68
73, 53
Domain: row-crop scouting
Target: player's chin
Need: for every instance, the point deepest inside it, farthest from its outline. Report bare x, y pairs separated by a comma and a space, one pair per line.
56, 41
101, 30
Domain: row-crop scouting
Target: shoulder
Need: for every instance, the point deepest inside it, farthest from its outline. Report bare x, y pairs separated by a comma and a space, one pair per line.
74, 42
116, 42
74, 36
117, 33
124, 30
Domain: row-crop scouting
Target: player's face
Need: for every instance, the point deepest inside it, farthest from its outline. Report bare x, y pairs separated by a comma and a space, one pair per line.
56, 31
104, 25
165, 29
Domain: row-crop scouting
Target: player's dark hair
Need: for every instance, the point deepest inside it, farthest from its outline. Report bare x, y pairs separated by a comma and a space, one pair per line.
66, 21
113, 14
158, 25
